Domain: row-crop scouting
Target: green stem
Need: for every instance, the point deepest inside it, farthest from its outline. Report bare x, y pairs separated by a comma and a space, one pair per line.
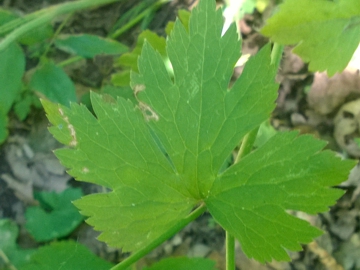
138, 18
247, 144
245, 148
230, 251
142, 252
276, 54
56, 34
70, 61
6, 261
48, 16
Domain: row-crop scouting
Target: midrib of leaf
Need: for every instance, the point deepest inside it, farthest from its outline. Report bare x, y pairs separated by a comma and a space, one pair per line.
194, 76
201, 112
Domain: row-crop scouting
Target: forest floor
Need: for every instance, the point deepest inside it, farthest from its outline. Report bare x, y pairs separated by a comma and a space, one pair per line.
308, 102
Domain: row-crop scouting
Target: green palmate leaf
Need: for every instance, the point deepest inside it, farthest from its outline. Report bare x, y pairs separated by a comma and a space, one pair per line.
89, 46
327, 32
55, 217
53, 83
183, 263
12, 66
165, 156
65, 255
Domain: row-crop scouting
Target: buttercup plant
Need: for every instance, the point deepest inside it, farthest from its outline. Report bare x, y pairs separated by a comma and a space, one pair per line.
163, 159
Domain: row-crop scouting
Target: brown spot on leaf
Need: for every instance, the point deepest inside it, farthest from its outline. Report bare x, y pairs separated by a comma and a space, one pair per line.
138, 88
71, 128
148, 112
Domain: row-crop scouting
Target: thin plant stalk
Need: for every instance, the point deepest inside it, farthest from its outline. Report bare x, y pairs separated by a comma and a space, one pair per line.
145, 250
70, 61
48, 16
276, 54
230, 251
56, 34
6, 260
138, 18
245, 149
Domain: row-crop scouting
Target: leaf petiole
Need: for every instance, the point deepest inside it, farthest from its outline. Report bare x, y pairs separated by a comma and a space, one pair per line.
169, 233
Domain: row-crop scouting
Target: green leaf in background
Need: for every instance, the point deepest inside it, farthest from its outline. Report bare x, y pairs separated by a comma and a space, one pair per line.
12, 67
183, 263
53, 83
129, 61
8, 235
23, 103
67, 255
22, 107
55, 217
266, 131
124, 92
122, 78
165, 156
89, 46
183, 16
37, 35
6, 16
327, 33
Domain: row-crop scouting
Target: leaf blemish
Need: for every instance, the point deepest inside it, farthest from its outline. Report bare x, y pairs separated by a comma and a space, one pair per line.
71, 128
85, 170
138, 88
148, 112
61, 112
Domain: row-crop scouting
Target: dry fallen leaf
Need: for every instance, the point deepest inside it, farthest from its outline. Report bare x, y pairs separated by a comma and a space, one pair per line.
347, 123
326, 94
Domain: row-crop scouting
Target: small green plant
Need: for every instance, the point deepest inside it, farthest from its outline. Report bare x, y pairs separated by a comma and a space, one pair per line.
55, 217
326, 32
68, 254
163, 158
48, 79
